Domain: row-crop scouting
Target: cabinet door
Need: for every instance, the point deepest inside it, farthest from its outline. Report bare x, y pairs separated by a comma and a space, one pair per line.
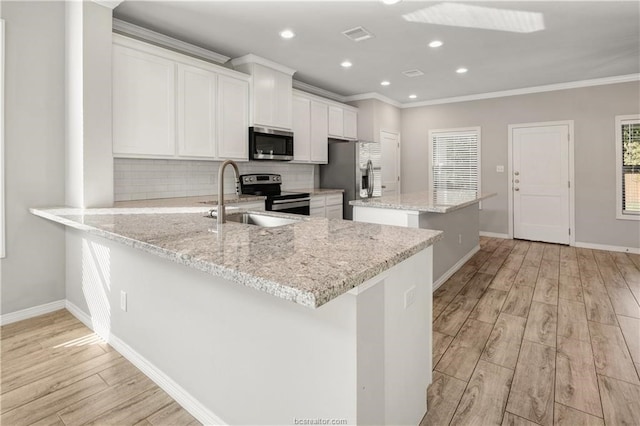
336, 122
350, 124
319, 133
334, 212
233, 118
196, 112
283, 97
301, 129
264, 86
144, 109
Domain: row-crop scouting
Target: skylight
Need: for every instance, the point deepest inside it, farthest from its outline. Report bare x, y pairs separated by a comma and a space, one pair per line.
488, 18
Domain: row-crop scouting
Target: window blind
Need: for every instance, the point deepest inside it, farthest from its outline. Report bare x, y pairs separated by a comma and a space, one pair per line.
455, 161
630, 176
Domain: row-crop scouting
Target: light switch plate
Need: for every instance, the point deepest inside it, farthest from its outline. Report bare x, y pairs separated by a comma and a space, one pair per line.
500, 169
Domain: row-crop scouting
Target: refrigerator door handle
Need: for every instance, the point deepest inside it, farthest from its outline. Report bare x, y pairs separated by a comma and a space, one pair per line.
370, 179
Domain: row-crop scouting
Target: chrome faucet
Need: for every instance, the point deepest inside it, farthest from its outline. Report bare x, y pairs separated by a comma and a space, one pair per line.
221, 215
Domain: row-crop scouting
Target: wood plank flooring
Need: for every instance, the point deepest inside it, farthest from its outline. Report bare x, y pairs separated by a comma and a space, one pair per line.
528, 333
55, 371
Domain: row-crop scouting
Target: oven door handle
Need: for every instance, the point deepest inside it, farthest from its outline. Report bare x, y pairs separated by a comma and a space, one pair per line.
296, 200
289, 206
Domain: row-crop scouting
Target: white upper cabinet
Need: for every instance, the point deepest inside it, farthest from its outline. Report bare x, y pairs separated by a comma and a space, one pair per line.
196, 112
343, 122
233, 121
169, 105
336, 121
144, 112
301, 129
271, 91
319, 133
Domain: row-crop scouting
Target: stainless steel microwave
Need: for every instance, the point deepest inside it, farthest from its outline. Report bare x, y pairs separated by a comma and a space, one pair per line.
270, 144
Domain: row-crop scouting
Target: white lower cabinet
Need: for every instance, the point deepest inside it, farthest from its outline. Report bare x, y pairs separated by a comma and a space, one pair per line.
329, 206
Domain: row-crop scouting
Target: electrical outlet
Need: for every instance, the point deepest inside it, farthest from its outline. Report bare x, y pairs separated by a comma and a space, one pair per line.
123, 300
409, 296
500, 169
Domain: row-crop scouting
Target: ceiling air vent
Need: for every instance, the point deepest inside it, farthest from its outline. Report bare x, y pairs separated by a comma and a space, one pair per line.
413, 73
357, 34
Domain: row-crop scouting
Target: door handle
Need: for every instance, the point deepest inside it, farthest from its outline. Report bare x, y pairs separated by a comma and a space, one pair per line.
517, 181
384, 186
516, 189
516, 173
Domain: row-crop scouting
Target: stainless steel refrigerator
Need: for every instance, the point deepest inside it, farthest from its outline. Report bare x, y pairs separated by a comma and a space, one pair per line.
356, 167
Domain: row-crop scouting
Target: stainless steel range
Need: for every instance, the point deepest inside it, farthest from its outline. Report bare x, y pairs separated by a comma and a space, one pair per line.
270, 185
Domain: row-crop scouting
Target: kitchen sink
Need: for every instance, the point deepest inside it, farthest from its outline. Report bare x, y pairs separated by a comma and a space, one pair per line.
258, 219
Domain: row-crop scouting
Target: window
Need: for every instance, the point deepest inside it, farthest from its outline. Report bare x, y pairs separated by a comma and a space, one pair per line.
454, 163
628, 167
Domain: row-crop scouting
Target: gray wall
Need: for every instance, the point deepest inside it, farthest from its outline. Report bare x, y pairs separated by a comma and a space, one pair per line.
33, 271
593, 110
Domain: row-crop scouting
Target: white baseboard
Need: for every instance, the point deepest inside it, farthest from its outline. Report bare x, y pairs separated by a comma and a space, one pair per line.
31, 312
164, 382
455, 268
494, 235
635, 250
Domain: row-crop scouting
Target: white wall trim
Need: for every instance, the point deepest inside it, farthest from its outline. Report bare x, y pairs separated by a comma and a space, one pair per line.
314, 90
2, 208
525, 90
149, 36
455, 268
373, 95
255, 59
572, 195
635, 250
164, 382
31, 312
111, 4
495, 235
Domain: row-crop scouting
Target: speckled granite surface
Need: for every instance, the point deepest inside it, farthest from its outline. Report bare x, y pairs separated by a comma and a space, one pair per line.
189, 201
318, 191
427, 202
310, 262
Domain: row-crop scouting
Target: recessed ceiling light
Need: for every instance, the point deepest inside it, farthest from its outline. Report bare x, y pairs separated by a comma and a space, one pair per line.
391, 1
413, 96
461, 70
436, 43
287, 34
346, 64
385, 83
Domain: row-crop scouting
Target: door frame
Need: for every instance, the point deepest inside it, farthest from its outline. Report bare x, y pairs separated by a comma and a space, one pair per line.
398, 155
572, 213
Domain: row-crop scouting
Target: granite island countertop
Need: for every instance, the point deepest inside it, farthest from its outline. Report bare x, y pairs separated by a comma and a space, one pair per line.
310, 261
196, 201
424, 202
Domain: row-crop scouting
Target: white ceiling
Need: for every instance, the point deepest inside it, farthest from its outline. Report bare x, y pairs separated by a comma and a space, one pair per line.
581, 41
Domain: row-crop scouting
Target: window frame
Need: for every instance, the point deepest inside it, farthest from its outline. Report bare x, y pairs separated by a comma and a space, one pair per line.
477, 131
620, 120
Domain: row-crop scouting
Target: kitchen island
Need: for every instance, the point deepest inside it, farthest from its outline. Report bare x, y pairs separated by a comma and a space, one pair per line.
456, 213
317, 319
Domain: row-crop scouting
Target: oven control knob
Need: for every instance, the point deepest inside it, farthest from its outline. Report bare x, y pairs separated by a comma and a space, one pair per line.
250, 179
277, 178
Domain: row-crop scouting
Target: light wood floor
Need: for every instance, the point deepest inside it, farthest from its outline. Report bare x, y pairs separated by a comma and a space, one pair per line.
530, 333
55, 371
524, 333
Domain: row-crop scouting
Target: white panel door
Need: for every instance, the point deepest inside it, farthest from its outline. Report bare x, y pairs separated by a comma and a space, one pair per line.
144, 108
390, 161
319, 133
301, 129
196, 112
233, 118
540, 173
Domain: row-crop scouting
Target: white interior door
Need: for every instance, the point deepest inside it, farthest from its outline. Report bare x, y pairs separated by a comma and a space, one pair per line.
540, 176
390, 163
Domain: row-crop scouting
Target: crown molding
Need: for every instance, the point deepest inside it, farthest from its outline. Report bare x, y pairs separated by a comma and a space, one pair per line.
373, 95
255, 59
318, 91
111, 4
528, 90
144, 34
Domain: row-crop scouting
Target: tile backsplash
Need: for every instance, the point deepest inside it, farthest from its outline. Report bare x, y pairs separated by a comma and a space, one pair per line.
142, 179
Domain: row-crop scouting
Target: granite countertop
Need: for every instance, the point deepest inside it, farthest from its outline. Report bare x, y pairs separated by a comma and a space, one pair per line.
424, 202
318, 191
203, 200
310, 261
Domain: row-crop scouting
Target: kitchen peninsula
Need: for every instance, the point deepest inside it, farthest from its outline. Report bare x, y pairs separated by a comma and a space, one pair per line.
456, 213
320, 318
